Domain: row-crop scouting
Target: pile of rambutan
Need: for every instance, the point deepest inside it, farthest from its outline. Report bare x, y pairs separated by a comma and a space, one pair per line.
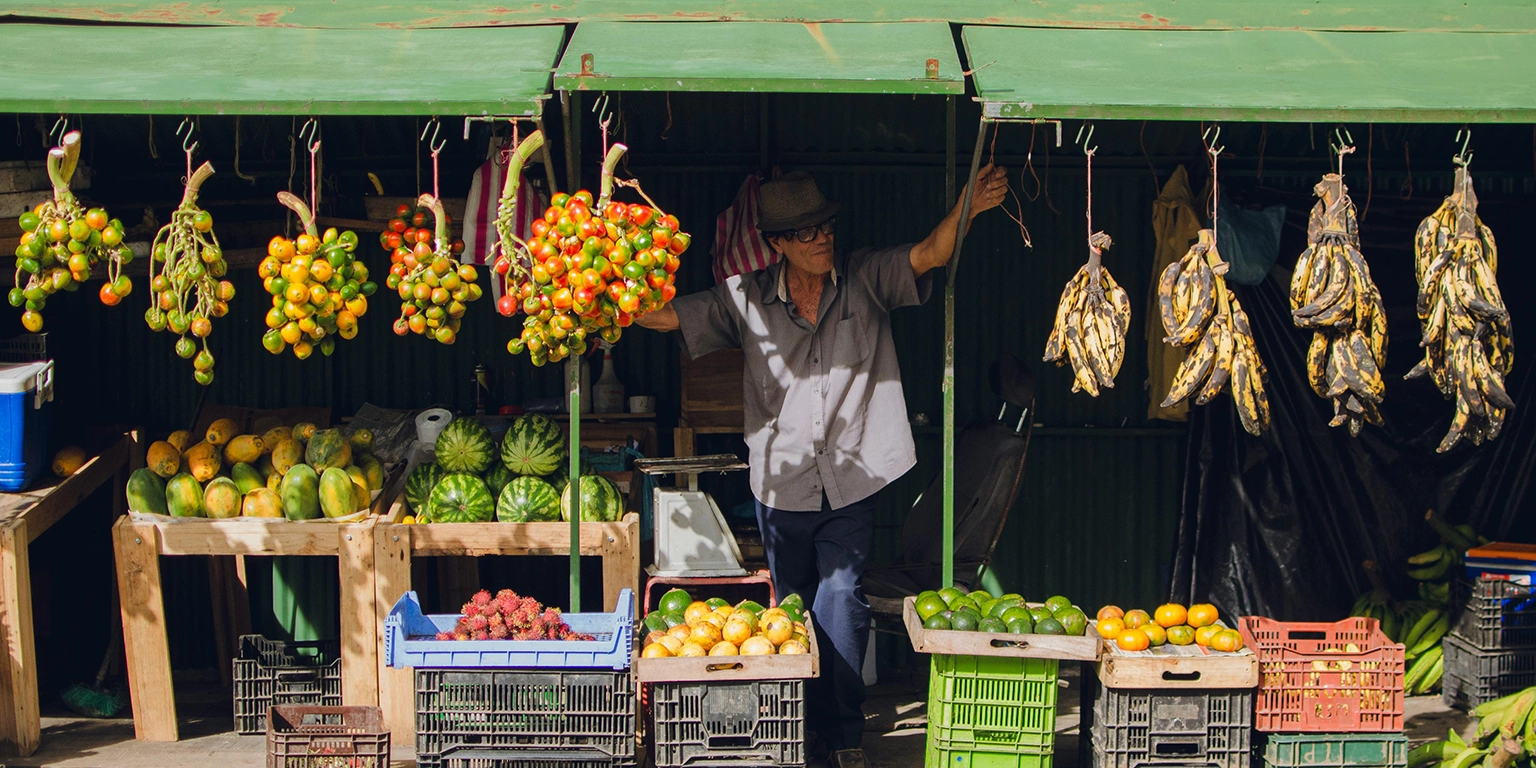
508, 616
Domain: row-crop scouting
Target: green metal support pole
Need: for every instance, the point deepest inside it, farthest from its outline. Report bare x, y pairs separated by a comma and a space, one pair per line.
947, 575
573, 386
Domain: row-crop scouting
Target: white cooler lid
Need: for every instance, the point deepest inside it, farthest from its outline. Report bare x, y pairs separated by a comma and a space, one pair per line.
21, 377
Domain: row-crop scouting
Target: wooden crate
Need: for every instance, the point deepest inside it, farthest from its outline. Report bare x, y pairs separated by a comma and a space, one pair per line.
1177, 666
954, 643
707, 669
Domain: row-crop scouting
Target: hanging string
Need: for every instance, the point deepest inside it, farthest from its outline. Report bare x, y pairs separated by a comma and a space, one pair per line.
1370, 143
1215, 152
1405, 192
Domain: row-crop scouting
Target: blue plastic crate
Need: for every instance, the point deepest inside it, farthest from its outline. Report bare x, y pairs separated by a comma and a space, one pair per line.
26, 416
409, 633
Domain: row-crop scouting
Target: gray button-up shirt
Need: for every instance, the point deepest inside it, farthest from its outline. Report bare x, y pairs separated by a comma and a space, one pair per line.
823, 404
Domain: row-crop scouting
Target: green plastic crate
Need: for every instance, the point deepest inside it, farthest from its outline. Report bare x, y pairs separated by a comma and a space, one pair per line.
1336, 750
945, 756
992, 703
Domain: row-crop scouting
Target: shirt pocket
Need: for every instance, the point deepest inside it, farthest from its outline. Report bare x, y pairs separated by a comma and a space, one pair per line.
853, 343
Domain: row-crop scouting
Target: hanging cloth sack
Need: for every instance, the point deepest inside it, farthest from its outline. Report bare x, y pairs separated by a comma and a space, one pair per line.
739, 247
484, 198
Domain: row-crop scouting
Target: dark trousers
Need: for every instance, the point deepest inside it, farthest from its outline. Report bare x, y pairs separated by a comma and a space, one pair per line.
821, 556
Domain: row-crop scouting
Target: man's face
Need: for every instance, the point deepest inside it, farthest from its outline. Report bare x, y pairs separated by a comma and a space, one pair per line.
814, 258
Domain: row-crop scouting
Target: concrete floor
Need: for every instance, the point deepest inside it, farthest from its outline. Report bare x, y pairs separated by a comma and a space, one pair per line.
894, 734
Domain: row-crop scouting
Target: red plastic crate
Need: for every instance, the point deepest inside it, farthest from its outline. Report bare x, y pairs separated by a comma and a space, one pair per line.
1310, 683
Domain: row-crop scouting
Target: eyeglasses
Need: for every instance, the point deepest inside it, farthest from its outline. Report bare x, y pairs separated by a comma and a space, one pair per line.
808, 234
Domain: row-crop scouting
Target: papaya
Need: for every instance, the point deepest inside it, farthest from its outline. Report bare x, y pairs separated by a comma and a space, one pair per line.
184, 496
181, 438
336, 493
326, 449
163, 458
221, 498
373, 470
261, 502
361, 440
146, 492
203, 461
222, 431
274, 480
271, 437
300, 490
246, 448
303, 431
68, 460
287, 453
246, 477
264, 464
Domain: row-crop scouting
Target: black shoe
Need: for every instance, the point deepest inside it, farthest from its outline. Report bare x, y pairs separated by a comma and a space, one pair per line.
849, 758
816, 750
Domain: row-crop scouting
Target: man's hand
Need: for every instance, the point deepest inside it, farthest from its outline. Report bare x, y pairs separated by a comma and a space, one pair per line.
936, 249
664, 319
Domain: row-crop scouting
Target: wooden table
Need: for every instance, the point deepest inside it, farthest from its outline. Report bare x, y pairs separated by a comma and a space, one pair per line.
25, 516
139, 544
396, 544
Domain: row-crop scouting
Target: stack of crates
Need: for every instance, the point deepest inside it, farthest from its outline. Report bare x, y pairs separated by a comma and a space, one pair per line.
991, 711
499, 704
274, 673
1491, 649
1330, 694
1174, 706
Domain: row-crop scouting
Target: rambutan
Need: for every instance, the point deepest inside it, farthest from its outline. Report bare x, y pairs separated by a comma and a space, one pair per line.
498, 632
479, 624
481, 635
444, 636
482, 597
460, 635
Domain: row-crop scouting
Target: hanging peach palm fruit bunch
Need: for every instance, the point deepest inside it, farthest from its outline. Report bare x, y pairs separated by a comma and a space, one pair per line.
62, 242
1468, 343
435, 288
185, 270
591, 266
319, 288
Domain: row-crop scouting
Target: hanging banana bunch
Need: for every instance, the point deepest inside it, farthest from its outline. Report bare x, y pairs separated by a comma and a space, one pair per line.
1201, 316
1091, 320
1468, 348
1332, 293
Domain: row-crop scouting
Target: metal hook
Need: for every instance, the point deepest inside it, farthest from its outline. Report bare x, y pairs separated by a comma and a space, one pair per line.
1464, 157
1083, 140
187, 127
310, 133
435, 144
60, 127
1210, 137
1343, 143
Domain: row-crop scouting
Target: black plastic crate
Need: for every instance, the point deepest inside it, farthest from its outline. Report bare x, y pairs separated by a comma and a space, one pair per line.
1134, 727
1473, 675
301, 736
1335, 750
747, 722
272, 672
1496, 614
502, 718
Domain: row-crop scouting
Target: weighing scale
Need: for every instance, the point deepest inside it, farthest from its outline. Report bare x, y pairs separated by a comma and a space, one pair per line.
692, 539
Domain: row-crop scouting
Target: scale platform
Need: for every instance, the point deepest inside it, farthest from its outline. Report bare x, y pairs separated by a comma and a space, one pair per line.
692, 538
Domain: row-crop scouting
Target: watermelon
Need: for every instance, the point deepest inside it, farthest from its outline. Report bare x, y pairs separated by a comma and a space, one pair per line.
465, 445
534, 446
418, 487
561, 477
600, 500
527, 500
461, 497
497, 477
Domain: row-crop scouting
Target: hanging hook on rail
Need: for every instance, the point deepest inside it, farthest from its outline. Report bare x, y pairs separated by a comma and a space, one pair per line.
1463, 157
188, 145
310, 134
60, 127
1084, 139
1343, 143
436, 143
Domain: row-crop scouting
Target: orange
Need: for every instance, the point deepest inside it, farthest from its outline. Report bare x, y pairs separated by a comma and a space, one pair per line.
1204, 635
674, 645
1181, 635
696, 611
1133, 640
1202, 615
655, 651
736, 631
1109, 629
653, 638
756, 645
705, 634
1227, 640
794, 647
1137, 618
778, 629
692, 649
1170, 615
681, 632
1110, 612
1156, 635
724, 648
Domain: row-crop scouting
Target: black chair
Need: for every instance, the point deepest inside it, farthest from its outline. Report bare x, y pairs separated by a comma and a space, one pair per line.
989, 468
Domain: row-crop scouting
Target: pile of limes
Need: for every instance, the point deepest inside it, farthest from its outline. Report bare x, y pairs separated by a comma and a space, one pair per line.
1171, 623
319, 289
434, 287
185, 268
980, 611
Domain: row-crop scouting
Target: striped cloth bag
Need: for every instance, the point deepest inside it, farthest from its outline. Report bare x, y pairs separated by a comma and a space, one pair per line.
480, 210
739, 248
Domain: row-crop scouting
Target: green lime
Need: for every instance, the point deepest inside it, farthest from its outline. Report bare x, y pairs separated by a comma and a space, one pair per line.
750, 605
1013, 596
1021, 627
655, 622
929, 606
717, 602
986, 606
950, 595
1074, 621
1014, 613
673, 619
794, 599
1056, 603
1038, 613
980, 596
1003, 605
992, 625
794, 612
675, 601
1049, 626
936, 622
965, 620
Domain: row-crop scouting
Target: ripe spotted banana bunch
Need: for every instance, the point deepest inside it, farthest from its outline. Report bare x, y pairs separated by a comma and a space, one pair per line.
1091, 320
1333, 294
1199, 314
1467, 344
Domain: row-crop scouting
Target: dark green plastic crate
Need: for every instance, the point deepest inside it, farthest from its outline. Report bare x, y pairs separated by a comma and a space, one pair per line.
1336, 750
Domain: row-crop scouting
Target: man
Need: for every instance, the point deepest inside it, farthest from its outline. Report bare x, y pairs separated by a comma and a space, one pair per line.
826, 421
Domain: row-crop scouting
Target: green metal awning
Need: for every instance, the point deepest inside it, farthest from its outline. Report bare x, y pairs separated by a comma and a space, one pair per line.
258, 70
762, 57
1447, 77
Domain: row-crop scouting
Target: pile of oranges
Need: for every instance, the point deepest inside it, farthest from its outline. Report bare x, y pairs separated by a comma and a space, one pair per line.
716, 628
1171, 623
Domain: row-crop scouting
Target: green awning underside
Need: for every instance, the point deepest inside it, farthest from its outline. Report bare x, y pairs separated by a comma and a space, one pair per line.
1448, 77
915, 57
263, 70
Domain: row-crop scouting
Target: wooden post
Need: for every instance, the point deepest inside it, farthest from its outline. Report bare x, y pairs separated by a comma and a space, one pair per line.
392, 578
621, 561
18, 688
219, 591
144, 639
359, 625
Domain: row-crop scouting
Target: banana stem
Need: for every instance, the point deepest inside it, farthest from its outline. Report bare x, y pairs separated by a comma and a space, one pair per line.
611, 162
440, 219
189, 195
293, 203
61, 166
520, 157
1378, 581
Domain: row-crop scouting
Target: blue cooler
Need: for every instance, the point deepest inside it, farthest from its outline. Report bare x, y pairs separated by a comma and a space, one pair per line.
26, 417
